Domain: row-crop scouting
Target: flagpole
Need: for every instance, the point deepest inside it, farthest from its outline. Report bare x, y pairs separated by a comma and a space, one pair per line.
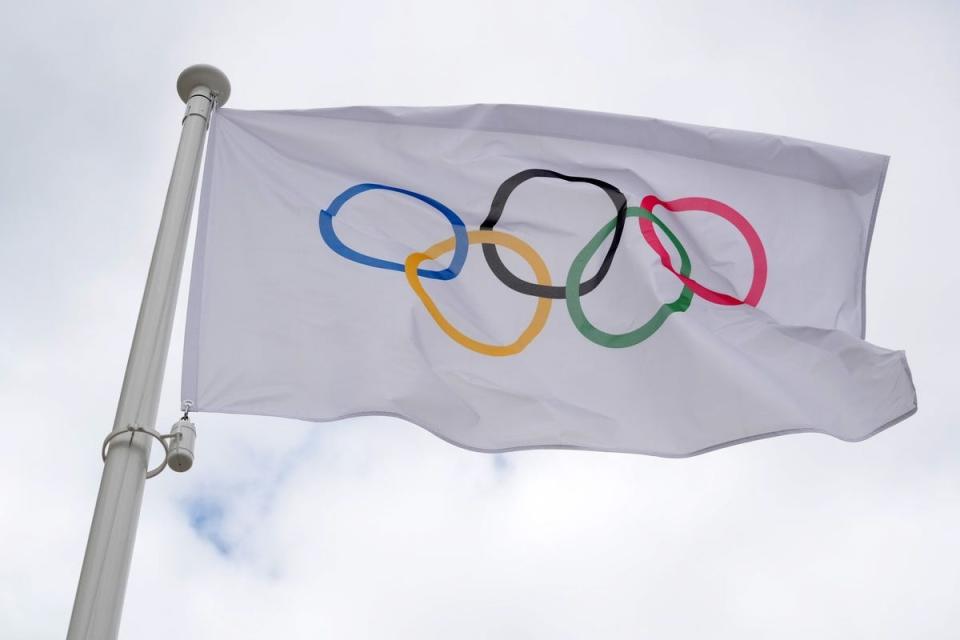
106, 562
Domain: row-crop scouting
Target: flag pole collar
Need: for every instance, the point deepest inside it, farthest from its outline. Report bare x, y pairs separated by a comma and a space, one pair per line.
133, 430
204, 75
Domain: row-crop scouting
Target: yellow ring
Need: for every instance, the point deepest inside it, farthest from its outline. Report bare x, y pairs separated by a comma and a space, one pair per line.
484, 236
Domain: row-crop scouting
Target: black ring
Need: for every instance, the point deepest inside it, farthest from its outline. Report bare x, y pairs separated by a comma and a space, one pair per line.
541, 290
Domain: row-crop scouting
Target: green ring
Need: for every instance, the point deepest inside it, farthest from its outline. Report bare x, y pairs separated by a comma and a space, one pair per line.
638, 335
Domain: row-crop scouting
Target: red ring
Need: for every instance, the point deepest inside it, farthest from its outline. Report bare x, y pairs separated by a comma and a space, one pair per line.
730, 215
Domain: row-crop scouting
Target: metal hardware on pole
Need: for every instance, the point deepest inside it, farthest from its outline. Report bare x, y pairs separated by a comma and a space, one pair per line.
106, 562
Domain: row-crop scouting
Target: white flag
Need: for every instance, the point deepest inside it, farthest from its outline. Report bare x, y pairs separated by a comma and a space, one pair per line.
510, 277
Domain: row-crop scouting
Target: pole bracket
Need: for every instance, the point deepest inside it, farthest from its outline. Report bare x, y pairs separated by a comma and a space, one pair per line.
133, 430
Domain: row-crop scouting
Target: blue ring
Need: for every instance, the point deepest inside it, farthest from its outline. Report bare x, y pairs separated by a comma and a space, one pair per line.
459, 233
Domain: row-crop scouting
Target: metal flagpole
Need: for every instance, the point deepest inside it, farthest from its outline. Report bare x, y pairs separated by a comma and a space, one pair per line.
106, 562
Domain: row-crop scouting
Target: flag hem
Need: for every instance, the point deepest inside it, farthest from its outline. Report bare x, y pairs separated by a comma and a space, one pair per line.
189, 380
866, 250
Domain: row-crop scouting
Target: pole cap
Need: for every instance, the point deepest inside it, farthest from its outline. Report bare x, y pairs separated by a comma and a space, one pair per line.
204, 75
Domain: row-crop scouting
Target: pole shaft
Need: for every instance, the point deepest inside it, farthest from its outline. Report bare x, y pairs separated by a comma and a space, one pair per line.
106, 562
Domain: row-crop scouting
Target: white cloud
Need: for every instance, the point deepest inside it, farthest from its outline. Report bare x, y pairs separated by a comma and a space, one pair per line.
375, 529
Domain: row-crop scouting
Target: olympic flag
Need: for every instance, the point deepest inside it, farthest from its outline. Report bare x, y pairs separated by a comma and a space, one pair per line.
511, 277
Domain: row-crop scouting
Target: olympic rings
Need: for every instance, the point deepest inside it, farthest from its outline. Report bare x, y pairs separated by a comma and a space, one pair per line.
496, 210
641, 333
573, 288
488, 237
730, 215
333, 241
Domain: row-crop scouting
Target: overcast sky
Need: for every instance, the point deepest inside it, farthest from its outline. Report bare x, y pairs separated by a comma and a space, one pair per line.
373, 528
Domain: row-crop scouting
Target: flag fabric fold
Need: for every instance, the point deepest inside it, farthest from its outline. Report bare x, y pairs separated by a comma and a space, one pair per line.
513, 277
